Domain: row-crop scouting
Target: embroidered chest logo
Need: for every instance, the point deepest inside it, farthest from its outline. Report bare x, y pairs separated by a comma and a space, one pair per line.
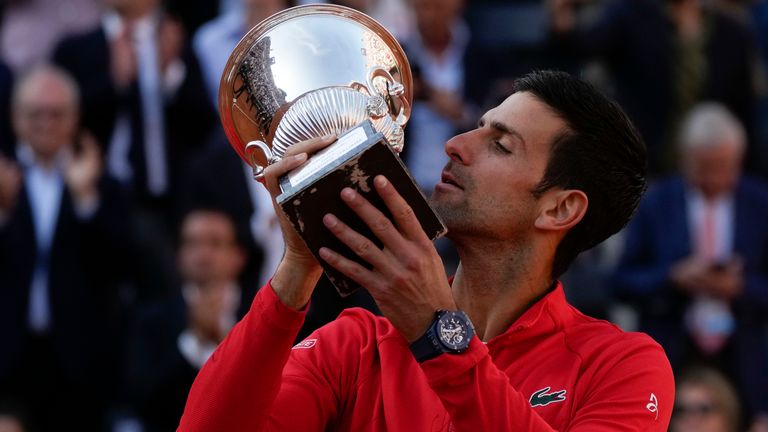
653, 405
543, 397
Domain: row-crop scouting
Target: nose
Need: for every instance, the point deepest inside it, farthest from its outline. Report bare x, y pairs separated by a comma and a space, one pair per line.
458, 149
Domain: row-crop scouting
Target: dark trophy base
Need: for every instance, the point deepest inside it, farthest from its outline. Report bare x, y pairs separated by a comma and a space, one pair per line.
312, 191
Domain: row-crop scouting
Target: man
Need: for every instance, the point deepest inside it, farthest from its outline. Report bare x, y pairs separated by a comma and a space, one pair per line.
215, 40
62, 248
696, 257
554, 169
664, 57
173, 339
144, 100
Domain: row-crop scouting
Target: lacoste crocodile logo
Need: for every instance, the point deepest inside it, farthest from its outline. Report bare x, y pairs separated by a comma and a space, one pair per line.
543, 397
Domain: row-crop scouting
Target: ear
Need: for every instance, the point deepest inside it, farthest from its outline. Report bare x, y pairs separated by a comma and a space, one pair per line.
562, 210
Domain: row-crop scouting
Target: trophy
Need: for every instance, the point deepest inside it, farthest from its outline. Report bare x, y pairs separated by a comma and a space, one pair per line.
311, 71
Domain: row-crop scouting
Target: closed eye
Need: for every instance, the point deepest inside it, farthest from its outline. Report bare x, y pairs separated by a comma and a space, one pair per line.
500, 147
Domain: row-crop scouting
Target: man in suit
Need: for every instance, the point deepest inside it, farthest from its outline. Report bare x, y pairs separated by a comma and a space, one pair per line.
62, 245
6, 133
696, 257
173, 339
664, 57
144, 100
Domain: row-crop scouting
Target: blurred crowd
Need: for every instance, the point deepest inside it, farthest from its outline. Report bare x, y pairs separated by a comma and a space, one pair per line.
132, 237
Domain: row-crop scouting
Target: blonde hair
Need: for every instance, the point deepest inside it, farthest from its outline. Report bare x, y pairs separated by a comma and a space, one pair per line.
723, 393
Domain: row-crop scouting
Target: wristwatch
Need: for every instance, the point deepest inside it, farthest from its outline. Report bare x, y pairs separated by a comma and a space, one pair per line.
450, 332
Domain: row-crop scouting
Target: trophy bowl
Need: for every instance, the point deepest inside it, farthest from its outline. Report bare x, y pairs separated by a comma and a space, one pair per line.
310, 71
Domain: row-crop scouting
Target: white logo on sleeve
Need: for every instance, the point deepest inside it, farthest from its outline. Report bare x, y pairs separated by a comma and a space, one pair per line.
653, 405
305, 344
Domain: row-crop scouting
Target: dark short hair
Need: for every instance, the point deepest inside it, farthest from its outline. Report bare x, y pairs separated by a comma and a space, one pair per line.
601, 154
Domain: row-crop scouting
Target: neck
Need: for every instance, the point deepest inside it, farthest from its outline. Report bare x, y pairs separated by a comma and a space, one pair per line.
496, 285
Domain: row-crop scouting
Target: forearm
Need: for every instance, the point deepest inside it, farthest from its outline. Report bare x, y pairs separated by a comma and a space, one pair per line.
236, 388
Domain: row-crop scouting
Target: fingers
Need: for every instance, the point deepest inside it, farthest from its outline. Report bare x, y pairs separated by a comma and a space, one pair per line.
349, 268
310, 146
273, 172
359, 244
393, 236
294, 156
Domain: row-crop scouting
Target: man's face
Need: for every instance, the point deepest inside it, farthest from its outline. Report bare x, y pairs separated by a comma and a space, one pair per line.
133, 9
433, 14
697, 411
486, 187
45, 115
209, 252
713, 170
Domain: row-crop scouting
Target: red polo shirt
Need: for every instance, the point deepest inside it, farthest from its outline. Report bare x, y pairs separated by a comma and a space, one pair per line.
553, 369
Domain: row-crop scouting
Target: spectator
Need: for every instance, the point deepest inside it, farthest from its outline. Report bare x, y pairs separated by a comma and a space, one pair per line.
144, 99
174, 339
705, 402
696, 257
29, 29
61, 248
215, 40
7, 141
664, 57
437, 52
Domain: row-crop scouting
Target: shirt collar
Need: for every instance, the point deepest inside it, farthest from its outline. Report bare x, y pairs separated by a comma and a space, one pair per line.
542, 317
113, 25
26, 157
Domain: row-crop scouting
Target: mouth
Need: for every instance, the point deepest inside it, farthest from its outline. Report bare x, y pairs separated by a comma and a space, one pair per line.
449, 179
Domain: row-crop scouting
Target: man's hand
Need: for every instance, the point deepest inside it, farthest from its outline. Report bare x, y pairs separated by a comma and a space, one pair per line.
726, 281
698, 277
690, 274
124, 64
170, 42
298, 271
207, 312
83, 170
408, 279
10, 183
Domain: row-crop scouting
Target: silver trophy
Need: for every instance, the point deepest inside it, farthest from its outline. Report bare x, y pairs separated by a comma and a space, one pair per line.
311, 71
308, 72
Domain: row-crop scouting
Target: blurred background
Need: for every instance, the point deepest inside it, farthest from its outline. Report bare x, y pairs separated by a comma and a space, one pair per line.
132, 237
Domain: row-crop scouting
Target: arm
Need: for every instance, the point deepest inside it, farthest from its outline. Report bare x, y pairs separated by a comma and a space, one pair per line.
238, 386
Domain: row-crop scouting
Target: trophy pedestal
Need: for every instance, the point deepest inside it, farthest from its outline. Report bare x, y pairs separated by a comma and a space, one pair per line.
312, 190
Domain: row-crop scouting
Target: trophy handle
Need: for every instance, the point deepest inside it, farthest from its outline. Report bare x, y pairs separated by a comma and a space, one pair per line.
377, 106
250, 149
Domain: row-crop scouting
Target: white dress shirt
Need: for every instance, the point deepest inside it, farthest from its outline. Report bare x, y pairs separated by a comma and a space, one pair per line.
154, 87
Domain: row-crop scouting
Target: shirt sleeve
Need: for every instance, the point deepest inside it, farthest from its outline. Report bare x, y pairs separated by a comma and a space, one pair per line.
635, 394
238, 385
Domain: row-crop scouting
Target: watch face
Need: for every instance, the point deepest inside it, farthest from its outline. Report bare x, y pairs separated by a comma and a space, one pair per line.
454, 331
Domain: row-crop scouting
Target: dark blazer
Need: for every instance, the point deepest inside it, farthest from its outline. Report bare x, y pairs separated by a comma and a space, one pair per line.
636, 40
159, 377
87, 260
658, 236
7, 140
188, 115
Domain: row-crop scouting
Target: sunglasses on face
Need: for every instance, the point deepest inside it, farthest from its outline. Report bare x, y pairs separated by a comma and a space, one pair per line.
697, 409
